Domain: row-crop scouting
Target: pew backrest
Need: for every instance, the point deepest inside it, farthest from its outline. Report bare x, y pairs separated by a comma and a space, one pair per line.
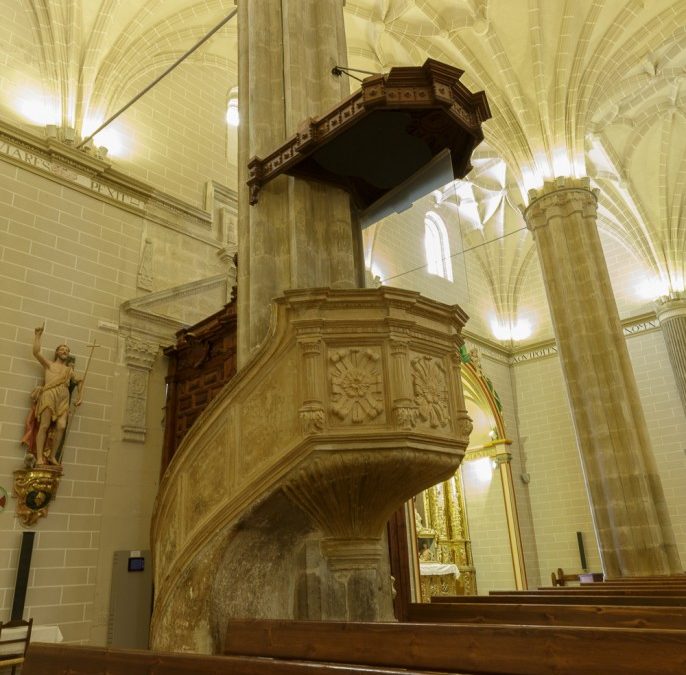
511, 650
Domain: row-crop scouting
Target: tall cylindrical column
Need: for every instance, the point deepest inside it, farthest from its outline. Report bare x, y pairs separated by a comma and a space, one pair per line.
671, 314
299, 234
632, 523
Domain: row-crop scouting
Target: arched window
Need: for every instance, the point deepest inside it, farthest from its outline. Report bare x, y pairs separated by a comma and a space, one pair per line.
232, 117
437, 247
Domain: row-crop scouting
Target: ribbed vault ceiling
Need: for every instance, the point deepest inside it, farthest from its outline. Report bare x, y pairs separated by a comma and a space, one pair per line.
576, 87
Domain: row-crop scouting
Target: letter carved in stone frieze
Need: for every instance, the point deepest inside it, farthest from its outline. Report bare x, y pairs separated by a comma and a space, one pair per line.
356, 389
430, 391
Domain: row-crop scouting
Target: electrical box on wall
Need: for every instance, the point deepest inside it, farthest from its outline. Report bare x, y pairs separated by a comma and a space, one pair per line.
130, 600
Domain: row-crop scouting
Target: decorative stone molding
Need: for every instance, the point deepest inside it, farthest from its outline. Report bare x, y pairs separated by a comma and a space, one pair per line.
145, 270
356, 388
430, 391
636, 325
92, 175
140, 356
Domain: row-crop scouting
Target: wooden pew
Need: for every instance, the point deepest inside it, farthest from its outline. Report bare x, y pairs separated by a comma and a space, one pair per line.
51, 659
584, 590
496, 650
560, 596
546, 614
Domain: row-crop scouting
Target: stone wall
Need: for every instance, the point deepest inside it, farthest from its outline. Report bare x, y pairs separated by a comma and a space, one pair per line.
73, 249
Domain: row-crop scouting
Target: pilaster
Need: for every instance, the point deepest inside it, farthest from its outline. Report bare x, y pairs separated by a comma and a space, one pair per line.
140, 356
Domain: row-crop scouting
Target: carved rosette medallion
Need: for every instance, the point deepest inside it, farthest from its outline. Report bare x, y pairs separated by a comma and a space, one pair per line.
356, 389
34, 490
430, 391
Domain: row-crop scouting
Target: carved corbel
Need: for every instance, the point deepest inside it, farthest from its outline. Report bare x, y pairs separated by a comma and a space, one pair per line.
140, 356
34, 490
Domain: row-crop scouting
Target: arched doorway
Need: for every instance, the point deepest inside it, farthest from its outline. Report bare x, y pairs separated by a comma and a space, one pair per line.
461, 536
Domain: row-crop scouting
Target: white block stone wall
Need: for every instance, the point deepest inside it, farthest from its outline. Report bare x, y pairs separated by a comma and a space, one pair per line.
71, 259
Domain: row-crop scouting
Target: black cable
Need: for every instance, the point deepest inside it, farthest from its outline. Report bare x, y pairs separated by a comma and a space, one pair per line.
183, 57
454, 255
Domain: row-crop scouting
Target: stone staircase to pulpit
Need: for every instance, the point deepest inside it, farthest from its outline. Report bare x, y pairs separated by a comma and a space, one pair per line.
275, 503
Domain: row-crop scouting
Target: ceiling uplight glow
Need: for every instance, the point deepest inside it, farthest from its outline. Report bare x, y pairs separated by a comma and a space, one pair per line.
520, 330
34, 109
652, 288
110, 137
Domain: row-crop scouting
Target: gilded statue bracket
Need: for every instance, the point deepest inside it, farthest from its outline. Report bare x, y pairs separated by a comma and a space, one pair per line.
35, 490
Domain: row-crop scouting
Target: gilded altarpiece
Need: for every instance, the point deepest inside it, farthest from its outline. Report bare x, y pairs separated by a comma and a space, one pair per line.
444, 509
441, 513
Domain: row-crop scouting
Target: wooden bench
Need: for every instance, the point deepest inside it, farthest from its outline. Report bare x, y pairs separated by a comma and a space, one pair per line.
50, 659
593, 590
546, 614
511, 650
563, 597
559, 578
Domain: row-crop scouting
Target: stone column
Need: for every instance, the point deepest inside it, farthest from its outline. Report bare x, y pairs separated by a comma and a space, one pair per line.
671, 313
633, 527
299, 235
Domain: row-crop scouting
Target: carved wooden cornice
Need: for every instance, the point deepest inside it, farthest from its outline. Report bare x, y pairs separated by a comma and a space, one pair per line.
429, 109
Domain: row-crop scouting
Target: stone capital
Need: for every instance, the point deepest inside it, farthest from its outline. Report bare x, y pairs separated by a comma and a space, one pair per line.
140, 353
560, 199
671, 307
